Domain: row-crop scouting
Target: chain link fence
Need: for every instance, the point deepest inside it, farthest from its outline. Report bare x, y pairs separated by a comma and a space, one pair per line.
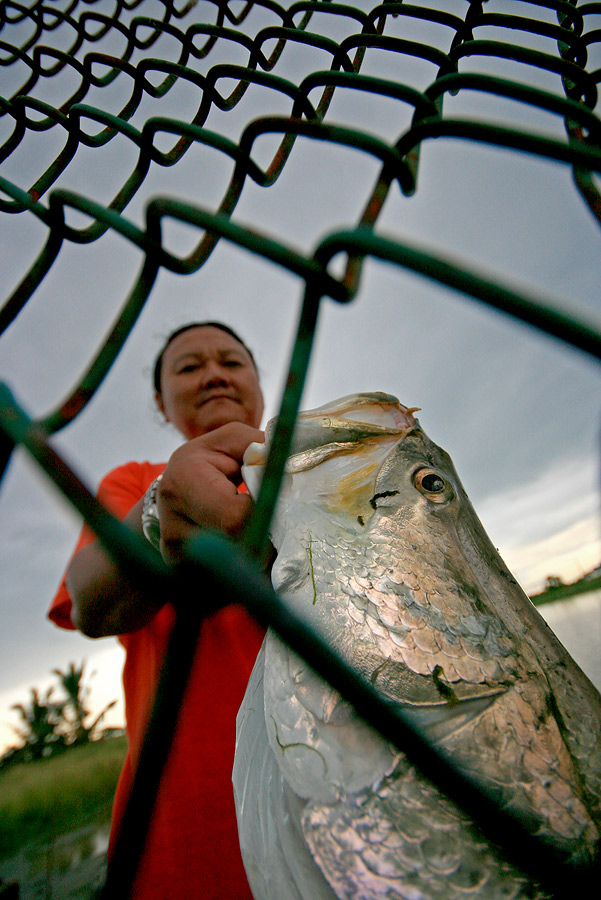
58, 60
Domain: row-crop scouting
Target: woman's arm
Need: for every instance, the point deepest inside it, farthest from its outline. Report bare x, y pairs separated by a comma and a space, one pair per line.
198, 489
105, 601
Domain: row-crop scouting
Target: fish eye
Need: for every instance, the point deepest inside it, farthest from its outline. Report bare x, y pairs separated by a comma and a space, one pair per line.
432, 482
433, 485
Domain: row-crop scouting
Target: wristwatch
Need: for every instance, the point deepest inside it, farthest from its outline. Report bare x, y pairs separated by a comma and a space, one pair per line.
151, 525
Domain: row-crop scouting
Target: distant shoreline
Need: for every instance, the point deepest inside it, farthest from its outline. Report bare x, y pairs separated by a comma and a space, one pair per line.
563, 591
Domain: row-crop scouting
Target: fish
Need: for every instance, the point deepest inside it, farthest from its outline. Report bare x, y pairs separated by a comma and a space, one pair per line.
380, 550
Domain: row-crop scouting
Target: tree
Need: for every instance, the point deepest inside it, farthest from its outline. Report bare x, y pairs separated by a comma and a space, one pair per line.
48, 725
75, 710
41, 720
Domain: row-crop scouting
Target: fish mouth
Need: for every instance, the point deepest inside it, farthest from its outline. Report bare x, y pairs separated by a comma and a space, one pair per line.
338, 427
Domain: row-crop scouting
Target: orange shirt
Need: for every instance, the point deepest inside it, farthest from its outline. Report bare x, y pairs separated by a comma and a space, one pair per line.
192, 849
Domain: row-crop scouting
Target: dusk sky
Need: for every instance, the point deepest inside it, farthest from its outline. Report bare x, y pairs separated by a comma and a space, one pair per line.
520, 413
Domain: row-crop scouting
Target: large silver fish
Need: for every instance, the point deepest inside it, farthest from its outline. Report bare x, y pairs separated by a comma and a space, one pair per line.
380, 549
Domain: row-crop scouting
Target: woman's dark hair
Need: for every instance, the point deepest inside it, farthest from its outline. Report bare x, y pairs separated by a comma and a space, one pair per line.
159, 360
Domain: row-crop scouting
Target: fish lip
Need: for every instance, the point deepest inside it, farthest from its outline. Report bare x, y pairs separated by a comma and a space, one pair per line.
344, 407
334, 422
311, 456
325, 430
255, 454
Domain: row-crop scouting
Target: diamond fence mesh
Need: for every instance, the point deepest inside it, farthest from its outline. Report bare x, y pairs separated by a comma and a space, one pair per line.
80, 77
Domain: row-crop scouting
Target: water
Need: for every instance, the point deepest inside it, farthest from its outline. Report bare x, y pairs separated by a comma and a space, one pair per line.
73, 867
577, 623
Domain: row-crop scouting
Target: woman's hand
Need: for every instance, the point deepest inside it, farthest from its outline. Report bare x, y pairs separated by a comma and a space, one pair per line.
198, 490
199, 487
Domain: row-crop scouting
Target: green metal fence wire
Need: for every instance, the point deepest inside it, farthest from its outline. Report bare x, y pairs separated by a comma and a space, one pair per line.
545, 41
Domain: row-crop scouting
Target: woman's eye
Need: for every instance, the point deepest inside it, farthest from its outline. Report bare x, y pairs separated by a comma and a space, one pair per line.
232, 363
433, 485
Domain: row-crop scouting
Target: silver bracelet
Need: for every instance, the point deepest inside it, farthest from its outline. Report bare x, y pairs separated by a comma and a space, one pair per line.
151, 525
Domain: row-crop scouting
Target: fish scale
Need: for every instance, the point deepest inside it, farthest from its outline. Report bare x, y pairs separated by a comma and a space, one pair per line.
427, 863
403, 582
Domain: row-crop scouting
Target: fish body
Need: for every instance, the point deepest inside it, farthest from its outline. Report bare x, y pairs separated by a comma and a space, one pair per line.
379, 548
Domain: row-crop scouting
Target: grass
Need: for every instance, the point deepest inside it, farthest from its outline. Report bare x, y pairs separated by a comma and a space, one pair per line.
562, 592
43, 799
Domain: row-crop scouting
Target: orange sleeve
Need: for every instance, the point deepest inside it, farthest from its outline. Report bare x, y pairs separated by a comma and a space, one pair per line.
118, 491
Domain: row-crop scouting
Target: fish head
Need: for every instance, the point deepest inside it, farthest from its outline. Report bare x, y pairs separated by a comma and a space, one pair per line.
362, 470
338, 449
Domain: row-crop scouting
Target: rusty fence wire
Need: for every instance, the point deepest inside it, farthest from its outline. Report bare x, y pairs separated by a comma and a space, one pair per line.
57, 58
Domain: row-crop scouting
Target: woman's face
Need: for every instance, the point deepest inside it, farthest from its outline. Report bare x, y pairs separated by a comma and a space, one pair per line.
208, 379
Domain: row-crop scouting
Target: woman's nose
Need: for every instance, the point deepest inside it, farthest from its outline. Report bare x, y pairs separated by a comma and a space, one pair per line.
215, 375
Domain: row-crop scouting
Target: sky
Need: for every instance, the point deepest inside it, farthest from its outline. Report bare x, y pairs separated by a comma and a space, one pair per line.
519, 412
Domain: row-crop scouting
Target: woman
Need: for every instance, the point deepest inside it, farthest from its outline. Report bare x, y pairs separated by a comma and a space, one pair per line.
207, 386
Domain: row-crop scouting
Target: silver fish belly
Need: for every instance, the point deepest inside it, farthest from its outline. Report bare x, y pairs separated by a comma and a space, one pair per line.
379, 548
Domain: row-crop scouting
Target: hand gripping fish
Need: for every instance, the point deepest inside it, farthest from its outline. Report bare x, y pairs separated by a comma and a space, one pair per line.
379, 548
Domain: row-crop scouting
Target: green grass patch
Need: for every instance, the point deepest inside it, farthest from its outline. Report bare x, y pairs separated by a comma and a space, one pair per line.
562, 592
43, 799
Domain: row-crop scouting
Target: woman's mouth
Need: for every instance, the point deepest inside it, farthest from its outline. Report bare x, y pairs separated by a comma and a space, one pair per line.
208, 398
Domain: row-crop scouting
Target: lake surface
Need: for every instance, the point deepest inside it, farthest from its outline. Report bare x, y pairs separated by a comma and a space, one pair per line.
72, 867
577, 623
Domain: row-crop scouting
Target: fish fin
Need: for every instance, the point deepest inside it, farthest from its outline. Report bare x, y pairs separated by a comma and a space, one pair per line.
291, 570
405, 839
398, 682
432, 702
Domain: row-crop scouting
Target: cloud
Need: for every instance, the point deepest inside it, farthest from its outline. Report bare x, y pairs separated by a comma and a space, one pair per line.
550, 526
